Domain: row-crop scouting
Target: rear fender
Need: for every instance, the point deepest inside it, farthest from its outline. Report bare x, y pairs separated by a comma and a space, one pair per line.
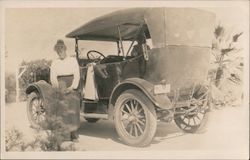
159, 100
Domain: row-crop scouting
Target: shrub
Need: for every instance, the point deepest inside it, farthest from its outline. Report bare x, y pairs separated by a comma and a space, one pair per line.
14, 141
43, 141
226, 74
10, 87
35, 71
223, 45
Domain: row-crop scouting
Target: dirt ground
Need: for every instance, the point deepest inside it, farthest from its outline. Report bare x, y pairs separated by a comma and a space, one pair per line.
226, 132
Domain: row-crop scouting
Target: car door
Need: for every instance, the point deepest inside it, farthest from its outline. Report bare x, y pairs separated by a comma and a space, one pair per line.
108, 75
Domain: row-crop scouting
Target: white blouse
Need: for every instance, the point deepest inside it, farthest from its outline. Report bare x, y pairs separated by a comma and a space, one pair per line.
67, 66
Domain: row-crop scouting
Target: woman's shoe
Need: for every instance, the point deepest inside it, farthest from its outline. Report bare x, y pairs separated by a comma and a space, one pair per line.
74, 136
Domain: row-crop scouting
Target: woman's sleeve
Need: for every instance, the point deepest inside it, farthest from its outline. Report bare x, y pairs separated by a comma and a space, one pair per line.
53, 75
76, 72
134, 51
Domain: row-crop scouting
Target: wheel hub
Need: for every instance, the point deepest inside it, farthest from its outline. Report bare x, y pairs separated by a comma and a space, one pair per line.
189, 118
133, 118
38, 110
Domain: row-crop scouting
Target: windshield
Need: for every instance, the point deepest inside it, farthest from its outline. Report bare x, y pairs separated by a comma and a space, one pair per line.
105, 47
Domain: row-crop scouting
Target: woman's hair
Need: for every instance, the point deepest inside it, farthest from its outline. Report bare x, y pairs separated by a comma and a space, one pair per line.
59, 45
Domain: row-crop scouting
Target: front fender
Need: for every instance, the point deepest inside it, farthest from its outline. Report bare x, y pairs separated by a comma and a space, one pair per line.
41, 87
159, 100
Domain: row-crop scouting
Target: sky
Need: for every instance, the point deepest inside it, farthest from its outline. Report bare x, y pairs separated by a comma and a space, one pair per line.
31, 33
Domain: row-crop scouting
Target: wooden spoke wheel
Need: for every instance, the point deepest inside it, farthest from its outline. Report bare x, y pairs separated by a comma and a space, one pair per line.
192, 117
135, 118
36, 110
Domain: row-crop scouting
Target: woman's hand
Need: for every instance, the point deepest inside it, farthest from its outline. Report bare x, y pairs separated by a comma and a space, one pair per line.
68, 90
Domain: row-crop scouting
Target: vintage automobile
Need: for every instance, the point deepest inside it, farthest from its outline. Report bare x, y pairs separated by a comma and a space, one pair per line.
166, 82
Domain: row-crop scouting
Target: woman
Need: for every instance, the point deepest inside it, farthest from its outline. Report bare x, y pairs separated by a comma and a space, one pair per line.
63, 67
141, 46
141, 50
64, 76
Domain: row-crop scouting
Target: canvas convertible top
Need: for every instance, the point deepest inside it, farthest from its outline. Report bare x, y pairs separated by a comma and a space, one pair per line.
166, 26
105, 27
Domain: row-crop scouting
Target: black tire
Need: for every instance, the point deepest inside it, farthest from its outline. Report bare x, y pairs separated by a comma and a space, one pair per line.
193, 122
135, 124
92, 120
36, 112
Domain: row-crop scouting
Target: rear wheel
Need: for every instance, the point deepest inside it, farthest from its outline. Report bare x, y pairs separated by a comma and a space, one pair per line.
35, 110
135, 118
193, 117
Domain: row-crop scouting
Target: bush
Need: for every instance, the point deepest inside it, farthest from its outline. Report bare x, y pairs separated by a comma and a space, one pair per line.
43, 141
35, 71
10, 87
226, 71
14, 141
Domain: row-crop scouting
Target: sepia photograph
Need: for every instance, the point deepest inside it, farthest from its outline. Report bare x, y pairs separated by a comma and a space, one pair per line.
124, 79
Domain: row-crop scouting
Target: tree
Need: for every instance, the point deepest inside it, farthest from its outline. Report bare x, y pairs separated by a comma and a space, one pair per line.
226, 73
10, 87
36, 70
223, 45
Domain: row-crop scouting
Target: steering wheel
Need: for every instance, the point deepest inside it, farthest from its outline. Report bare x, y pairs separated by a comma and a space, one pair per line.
91, 55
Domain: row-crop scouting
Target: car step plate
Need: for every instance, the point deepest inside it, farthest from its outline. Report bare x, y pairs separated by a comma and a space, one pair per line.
95, 115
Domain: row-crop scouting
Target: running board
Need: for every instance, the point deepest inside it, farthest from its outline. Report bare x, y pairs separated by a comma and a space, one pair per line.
95, 115
89, 101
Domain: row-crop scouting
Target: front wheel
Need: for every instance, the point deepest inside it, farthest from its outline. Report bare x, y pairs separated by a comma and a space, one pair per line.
135, 118
36, 110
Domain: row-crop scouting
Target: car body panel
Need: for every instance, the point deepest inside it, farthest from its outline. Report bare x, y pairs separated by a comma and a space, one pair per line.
159, 100
179, 66
110, 73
